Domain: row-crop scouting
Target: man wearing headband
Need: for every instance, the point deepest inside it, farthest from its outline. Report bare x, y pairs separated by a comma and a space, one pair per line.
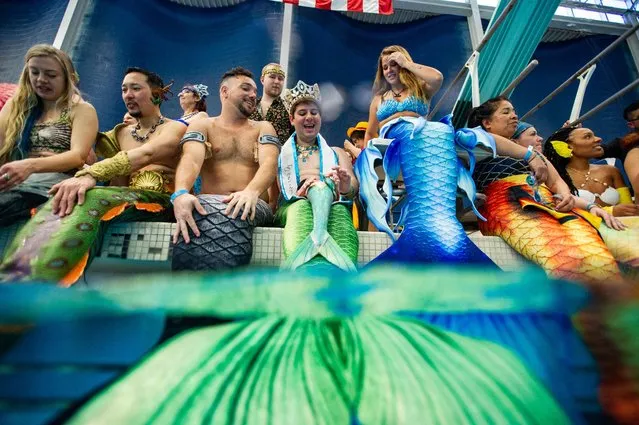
236, 159
270, 106
140, 166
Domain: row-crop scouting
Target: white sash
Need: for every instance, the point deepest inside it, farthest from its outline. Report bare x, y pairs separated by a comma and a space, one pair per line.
288, 169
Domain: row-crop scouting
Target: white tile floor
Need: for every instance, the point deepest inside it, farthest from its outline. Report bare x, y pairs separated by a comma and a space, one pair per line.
151, 242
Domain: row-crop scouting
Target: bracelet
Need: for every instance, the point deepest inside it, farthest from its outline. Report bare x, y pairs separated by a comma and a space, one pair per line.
107, 169
350, 194
590, 206
177, 194
529, 154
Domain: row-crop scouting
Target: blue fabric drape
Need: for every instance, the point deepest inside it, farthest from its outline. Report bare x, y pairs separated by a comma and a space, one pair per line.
508, 51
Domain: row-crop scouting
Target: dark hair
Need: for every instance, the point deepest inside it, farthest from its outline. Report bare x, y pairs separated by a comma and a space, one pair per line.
154, 80
358, 134
557, 160
630, 108
485, 111
158, 90
238, 71
200, 105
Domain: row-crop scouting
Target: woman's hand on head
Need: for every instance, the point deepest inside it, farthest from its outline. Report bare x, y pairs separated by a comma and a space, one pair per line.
398, 58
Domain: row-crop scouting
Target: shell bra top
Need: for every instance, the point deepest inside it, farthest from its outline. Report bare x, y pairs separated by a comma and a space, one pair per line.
391, 106
610, 196
52, 136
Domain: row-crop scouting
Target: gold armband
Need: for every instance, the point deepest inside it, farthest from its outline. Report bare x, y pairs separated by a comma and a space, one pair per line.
103, 171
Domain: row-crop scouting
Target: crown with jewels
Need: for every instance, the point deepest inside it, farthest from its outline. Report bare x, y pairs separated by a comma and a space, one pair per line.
300, 93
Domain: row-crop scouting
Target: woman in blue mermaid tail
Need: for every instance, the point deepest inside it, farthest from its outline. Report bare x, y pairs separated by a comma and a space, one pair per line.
426, 153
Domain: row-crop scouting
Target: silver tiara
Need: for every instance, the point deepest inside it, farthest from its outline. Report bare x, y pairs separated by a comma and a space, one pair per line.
299, 93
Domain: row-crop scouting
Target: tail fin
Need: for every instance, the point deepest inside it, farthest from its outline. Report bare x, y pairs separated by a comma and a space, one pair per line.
328, 249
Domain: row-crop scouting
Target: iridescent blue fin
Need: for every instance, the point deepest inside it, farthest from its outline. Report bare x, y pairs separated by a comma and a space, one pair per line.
376, 206
467, 140
465, 182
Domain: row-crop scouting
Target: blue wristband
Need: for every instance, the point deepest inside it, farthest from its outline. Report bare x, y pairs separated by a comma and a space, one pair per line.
591, 206
529, 153
178, 193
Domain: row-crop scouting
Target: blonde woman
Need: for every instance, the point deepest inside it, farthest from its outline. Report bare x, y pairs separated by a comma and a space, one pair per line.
401, 88
46, 132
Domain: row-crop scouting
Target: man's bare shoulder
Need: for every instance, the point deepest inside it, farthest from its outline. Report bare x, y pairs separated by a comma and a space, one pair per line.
264, 127
121, 131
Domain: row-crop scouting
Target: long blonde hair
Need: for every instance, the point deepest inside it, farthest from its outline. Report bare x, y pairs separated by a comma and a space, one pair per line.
25, 99
407, 78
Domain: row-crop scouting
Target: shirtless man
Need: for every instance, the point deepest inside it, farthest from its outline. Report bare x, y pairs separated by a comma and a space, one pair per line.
306, 160
237, 161
140, 165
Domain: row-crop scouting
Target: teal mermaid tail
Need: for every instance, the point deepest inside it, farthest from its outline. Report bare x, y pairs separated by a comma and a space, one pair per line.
308, 347
319, 241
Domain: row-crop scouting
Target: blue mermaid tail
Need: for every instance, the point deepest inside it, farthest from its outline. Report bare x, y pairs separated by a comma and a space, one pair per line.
425, 153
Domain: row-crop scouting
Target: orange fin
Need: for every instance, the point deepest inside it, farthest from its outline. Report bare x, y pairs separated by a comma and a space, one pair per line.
113, 212
145, 206
33, 211
75, 273
525, 203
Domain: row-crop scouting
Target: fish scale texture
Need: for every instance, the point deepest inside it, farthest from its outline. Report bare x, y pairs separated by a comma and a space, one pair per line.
224, 242
569, 248
431, 232
48, 247
298, 220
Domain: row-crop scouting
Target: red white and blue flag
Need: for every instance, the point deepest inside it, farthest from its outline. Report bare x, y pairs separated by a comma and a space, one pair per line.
382, 7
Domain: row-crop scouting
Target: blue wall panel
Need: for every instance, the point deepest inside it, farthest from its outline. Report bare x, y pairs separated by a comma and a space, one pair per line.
182, 43
332, 48
24, 23
557, 62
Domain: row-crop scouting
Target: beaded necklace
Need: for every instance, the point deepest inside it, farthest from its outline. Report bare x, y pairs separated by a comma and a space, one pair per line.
306, 151
189, 115
587, 177
144, 138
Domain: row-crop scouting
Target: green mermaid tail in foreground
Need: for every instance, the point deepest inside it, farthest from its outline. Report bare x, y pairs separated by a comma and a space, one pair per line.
351, 371
309, 347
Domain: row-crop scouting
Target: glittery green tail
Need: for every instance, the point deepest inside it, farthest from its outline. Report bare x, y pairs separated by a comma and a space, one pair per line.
297, 219
326, 372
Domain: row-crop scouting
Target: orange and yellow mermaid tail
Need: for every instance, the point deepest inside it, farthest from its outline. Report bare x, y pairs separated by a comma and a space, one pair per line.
565, 245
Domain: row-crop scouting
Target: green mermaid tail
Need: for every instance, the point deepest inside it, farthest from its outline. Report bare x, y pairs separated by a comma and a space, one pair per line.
50, 248
299, 228
305, 371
